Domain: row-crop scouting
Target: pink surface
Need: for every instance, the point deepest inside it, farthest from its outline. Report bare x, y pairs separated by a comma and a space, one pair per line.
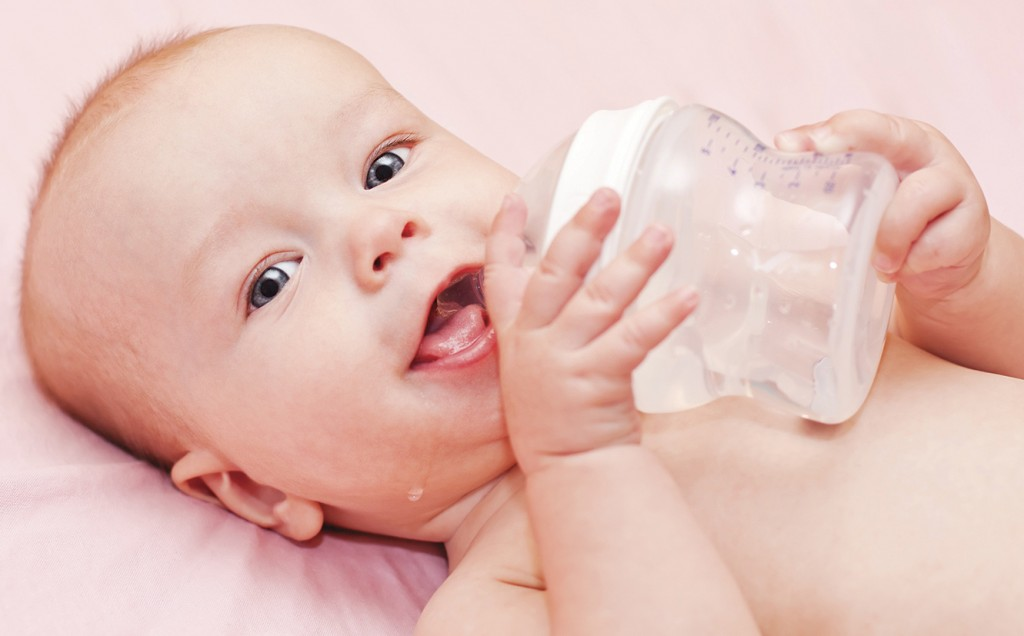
92, 541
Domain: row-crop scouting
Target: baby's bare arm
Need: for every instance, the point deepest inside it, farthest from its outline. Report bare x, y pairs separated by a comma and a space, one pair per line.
981, 326
619, 548
958, 272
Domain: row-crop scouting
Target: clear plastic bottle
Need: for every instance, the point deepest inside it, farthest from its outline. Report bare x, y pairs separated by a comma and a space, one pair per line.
778, 244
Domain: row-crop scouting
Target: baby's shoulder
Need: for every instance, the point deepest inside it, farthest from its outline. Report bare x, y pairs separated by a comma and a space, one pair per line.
497, 582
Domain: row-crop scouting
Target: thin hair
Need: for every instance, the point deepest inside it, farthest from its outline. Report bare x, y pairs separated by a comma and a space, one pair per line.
122, 83
52, 334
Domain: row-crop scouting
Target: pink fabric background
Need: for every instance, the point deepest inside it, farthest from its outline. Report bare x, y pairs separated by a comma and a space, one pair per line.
92, 541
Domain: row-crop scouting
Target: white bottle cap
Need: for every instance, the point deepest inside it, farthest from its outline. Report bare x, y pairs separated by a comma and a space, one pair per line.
604, 153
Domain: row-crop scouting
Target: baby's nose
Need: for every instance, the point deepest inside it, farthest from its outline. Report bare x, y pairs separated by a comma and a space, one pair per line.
380, 242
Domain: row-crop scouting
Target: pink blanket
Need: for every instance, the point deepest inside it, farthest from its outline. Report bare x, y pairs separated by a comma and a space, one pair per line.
93, 541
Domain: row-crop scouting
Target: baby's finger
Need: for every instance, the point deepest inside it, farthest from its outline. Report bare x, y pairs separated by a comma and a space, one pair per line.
503, 276
602, 301
623, 347
561, 271
940, 261
907, 144
921, 198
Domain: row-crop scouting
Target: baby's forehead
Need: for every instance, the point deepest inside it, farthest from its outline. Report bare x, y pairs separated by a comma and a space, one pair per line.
258, 56
264, 78
248, 60
228, 78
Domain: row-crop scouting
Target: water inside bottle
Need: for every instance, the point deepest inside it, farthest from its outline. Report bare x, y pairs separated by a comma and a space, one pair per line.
763, 326
777, 245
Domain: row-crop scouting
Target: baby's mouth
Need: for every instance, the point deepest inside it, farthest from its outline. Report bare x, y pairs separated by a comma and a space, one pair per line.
458, 319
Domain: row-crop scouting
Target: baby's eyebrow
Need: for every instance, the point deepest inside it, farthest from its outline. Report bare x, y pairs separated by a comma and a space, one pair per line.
223, 231
364, 104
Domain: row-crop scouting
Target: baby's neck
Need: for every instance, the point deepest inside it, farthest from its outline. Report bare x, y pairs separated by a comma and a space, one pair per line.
477, 509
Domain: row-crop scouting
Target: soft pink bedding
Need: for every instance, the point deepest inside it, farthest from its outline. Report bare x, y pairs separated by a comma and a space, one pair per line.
93, 541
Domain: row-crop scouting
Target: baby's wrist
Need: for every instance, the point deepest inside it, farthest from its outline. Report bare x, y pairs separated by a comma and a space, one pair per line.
599, 457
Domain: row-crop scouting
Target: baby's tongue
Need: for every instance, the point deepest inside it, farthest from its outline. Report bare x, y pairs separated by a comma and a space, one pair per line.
460, 330
456, 320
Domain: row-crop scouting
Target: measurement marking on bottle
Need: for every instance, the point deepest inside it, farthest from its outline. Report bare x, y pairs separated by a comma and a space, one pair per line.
745, 157
830, 185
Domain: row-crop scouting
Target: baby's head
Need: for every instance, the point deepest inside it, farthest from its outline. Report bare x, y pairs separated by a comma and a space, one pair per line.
231, 268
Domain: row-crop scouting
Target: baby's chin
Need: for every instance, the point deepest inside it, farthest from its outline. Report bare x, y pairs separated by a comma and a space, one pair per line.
426, 510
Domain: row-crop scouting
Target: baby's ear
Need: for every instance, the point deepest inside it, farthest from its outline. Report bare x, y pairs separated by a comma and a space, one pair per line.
206, 476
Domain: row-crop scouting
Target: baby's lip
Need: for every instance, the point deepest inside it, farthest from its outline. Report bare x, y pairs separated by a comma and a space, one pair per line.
456, 325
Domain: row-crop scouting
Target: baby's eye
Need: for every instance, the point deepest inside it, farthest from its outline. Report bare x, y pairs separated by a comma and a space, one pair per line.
270, 283
385, 167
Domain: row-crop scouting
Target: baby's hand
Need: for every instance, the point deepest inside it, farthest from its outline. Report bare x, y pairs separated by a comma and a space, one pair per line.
934, 232
566, 351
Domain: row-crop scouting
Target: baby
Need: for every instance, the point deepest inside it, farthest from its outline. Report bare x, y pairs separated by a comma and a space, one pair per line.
233, 269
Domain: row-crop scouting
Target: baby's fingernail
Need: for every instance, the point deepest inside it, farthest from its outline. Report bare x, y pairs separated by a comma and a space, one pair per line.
603, 196
790, 141
657, 235
688, 297
883, 264
826, 140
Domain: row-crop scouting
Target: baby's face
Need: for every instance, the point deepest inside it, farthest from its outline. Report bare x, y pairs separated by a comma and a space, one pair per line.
291, 220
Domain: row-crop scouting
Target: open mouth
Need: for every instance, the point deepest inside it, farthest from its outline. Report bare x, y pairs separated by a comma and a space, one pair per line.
458, 321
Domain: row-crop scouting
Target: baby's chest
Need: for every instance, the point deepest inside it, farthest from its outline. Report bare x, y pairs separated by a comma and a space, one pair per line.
901, 526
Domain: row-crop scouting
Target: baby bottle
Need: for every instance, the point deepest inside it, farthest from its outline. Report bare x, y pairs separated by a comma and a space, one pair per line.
777, 244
